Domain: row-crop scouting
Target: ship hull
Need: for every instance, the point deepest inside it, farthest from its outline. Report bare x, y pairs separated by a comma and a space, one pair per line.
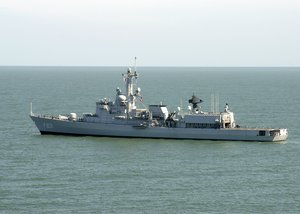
66, 127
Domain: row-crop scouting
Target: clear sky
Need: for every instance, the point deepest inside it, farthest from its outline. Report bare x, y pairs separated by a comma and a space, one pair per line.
158, 32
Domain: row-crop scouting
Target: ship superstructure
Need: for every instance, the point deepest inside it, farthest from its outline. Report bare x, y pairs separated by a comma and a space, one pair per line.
122, 118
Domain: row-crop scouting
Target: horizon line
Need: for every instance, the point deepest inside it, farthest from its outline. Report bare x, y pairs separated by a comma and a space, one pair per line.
172, 66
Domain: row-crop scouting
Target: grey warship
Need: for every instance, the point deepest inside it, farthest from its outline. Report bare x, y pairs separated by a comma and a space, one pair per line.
122, 118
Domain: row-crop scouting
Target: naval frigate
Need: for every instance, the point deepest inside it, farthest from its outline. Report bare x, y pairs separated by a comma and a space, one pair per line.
122, 118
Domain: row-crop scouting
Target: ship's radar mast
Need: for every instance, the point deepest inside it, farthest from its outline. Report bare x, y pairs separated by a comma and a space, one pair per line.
130, 79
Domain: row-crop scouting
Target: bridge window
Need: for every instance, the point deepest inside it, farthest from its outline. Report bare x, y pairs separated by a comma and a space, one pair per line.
262, 133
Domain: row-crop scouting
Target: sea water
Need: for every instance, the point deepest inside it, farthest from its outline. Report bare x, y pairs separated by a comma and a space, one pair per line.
60, 174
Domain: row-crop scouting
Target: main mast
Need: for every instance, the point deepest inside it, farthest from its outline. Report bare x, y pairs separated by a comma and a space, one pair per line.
130, 78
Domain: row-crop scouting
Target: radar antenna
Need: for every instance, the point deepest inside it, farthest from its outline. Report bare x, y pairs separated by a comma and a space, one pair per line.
195, 101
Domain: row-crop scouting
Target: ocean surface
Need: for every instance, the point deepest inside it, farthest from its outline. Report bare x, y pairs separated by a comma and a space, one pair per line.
63, 174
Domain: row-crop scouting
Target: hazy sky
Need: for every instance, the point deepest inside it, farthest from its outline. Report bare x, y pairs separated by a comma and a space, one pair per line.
158, 32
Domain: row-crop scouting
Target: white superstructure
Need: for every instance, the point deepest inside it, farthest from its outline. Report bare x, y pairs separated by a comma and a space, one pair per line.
122, 118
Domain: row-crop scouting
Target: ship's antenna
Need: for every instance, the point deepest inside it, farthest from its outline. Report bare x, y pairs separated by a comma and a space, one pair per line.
212, 103
135, 63
31, 113
135, 82
216, 103
181, 103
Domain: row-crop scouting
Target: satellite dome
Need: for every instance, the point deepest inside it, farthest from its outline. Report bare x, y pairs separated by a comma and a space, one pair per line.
121, 98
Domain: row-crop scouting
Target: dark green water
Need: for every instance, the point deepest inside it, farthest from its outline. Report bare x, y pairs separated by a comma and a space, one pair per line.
58, 174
